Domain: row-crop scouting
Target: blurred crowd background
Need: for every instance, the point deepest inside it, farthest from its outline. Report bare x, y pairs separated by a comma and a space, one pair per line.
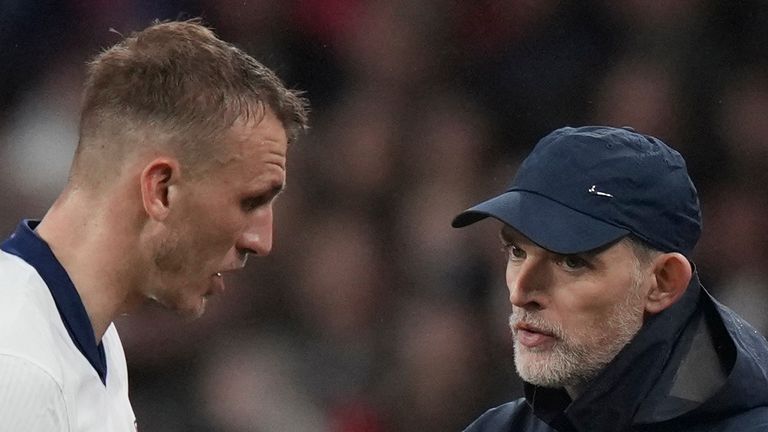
372, 314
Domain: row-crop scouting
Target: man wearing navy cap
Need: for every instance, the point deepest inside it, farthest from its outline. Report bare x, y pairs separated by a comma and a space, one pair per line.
612, 329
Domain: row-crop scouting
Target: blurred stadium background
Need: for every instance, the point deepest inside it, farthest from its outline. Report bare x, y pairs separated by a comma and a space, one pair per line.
372, 314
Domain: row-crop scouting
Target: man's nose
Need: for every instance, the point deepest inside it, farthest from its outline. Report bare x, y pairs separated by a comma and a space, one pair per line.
256, 238
527, 283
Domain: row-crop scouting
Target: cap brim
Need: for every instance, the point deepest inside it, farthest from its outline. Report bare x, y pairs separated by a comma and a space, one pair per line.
547, 223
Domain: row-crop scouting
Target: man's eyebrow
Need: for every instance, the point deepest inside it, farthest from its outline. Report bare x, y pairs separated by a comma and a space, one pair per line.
276, 190
268, 195
507, 235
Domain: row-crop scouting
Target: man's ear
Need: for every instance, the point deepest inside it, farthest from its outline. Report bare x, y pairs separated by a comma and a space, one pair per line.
156, 181
672, 273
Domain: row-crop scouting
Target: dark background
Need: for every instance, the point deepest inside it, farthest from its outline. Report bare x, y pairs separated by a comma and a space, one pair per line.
372, 314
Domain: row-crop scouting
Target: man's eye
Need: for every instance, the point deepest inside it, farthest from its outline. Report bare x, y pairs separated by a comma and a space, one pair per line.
513, 252
251, 204
573, 262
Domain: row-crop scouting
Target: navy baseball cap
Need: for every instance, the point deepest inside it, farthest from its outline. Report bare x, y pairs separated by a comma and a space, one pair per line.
582, 188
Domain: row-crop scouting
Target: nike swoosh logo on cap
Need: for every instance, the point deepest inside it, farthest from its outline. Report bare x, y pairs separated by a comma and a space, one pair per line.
594, 191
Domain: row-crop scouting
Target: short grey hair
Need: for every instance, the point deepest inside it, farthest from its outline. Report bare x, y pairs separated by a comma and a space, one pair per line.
643, 251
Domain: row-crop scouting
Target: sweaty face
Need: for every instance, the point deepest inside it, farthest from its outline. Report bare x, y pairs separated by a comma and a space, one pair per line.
221, 216
571, 314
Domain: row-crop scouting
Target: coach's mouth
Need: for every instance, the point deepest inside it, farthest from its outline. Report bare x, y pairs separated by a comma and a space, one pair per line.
532, 336
532, 329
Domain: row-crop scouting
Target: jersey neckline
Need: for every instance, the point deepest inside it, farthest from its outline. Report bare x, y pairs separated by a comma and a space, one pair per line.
27, 245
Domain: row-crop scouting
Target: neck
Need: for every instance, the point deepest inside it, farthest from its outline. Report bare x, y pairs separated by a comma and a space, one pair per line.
85, 236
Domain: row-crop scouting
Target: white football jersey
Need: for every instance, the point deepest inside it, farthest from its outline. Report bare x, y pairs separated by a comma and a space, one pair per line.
54, 376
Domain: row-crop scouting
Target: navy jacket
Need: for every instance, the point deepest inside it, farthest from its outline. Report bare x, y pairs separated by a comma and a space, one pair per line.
695, 367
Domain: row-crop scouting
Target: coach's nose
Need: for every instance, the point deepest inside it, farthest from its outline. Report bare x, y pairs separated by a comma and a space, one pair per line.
256, 238
527, 282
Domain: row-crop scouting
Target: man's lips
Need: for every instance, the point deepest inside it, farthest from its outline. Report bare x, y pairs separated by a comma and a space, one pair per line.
218, 284
531, 336
217, 279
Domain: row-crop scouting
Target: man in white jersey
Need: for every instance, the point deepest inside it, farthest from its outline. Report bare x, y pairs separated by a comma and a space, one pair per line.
182, 150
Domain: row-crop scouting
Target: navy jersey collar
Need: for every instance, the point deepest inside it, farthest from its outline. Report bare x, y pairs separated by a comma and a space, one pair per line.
26, 244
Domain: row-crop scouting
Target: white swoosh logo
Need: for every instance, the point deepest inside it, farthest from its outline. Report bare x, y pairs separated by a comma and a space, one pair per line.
594, 191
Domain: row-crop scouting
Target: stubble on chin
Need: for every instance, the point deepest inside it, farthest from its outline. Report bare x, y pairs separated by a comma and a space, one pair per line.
168, 254
575, 359
197, 311
171, 261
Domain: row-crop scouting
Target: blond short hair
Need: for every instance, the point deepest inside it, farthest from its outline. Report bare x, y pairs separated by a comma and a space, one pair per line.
177, 84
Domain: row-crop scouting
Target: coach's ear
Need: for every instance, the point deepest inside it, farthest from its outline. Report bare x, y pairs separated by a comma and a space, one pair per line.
157, 180
671, 275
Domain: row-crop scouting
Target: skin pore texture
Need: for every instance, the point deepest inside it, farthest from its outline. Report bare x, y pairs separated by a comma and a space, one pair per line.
159, 232
571, 314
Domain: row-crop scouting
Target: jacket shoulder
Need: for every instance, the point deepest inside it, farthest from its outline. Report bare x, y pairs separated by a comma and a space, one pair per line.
512, 416
753, 420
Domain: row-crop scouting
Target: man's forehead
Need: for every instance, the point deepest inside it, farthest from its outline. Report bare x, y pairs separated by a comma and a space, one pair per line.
509, 233
263, 139
268, 134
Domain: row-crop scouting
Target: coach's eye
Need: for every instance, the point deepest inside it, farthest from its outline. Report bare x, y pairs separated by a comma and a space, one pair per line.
573, 262
513, 252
